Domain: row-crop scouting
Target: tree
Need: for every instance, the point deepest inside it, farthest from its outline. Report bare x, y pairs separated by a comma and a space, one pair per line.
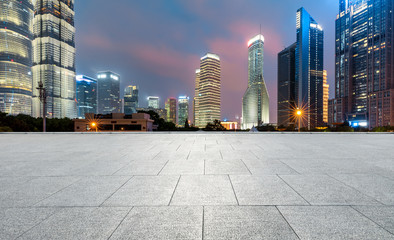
187, 124
215, 126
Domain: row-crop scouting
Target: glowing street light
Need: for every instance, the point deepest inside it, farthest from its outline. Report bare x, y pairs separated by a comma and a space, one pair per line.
94, 125
299, 115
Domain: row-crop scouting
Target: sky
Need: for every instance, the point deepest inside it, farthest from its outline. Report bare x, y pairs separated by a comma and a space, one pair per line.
157, 44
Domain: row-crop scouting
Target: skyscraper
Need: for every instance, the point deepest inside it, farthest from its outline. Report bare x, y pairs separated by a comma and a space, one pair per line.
255, 102
364, 77
170, 106
54, 57
86, 95
196, 109
153, 102
286, 86
208, 100
16, 56
309, 69
183, 110
130, 100
108, 92
326, 89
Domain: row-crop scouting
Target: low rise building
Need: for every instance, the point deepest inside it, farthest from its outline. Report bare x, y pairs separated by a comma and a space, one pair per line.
115, 122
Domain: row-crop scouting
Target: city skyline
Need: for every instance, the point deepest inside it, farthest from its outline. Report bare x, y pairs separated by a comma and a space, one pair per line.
159, 75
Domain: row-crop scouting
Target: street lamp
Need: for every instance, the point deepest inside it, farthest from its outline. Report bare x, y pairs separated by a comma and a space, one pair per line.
94, 125
299, 115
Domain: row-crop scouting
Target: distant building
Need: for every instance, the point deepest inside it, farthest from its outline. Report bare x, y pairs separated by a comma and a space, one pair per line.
114, 122
16, 35
309, 69
130, 100
230, 125
86, 95
208, 100
326, 89
286, 86
108, 92
170, 106
183, 110
54, 58
255, 102
153, 102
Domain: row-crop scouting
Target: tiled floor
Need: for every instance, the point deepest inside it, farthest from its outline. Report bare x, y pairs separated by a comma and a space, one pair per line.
197, 186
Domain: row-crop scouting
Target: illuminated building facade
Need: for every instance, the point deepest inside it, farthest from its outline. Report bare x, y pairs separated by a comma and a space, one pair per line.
195, 99
364, 82
309, 69
208, 100
153, 102
108, 92
170, 106
16, 56
255, 102
54, 57
130, 100
183, 110
286, 86
86, 95
326, 92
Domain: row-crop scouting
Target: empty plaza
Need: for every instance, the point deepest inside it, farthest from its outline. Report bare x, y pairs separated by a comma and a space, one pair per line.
197, 186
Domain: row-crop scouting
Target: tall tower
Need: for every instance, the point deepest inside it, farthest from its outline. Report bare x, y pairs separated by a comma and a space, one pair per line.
196, 109
208, 100
130, 100
108, 92
255, 102
309, 69
326, 93
364, 73
153, 102
16, 56
170, 106
86, 95
183, 110
54, 57
286, 86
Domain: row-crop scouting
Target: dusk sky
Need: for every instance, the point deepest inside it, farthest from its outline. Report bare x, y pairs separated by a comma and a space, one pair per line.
157, 44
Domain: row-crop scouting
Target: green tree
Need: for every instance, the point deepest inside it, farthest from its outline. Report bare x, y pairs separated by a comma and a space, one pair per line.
215, 126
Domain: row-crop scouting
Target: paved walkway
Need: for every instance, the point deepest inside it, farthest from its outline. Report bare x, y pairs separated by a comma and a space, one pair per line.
197, 186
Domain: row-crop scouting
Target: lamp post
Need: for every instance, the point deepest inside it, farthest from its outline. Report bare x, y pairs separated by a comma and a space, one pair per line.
43, 99
299, 115
94, 125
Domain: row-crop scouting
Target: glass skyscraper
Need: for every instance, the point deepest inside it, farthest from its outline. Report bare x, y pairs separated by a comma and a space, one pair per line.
309, 69
108, 92
364, 82
16, 56
255, 102
183, 110
195, 99
54, 57
153, 102
208, 100
171, 108
286, 86
130, 100
86, 95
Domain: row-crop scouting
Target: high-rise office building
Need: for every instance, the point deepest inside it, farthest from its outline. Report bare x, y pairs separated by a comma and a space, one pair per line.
364, 77
16, 19
195, 99
130, 100
108, 92
54, 58
170, 106
208, 100
183, 110
153, 102
326, 93
286, 86
255, 102
86, 95
309, 69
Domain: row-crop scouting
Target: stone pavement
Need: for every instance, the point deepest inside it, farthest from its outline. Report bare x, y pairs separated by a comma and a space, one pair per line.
197, 186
